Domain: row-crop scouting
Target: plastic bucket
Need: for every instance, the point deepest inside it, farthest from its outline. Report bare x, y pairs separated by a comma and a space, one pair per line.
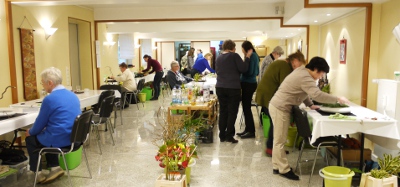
148, 91
336, 176
73, 159
292, 132
142, 97
266, 124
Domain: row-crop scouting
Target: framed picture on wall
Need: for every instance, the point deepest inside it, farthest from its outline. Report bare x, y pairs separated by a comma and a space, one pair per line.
343, 51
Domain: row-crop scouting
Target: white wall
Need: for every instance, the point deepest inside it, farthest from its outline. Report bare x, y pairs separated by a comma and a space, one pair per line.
167, 54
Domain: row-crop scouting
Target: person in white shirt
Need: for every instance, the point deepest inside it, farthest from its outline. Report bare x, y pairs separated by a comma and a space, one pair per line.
127, 79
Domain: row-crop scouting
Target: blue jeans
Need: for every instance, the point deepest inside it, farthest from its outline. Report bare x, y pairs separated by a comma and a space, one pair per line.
156, 83
32, 144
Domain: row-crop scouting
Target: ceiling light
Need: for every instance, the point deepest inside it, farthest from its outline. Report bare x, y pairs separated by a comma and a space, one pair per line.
328, 14
286, 36
315, 21
298, 29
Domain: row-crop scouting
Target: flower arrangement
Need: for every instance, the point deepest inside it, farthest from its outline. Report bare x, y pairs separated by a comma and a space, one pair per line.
175, 142
175, 157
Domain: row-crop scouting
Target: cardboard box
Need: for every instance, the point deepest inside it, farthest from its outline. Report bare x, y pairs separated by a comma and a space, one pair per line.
351, 154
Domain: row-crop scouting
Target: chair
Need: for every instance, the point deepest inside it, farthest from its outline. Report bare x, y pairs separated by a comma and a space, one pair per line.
165, 85
111, 87
79, 135
103, 117
102, 96
139, 88
304, 130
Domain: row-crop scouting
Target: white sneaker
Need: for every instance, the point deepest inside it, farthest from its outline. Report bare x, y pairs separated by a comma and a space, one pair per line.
55, 172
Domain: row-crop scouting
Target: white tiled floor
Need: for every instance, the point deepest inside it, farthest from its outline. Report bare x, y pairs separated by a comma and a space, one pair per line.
131, 161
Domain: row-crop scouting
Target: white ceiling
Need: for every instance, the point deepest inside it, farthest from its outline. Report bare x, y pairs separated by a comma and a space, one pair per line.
207, 29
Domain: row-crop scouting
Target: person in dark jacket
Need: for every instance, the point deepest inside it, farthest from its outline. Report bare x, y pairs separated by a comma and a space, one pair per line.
249, 85
229, 66
175, 77
156, 67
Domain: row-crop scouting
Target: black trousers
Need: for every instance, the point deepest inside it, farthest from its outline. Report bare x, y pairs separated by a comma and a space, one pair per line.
229, 100
156, 83
270, 140
248, 90
32, 143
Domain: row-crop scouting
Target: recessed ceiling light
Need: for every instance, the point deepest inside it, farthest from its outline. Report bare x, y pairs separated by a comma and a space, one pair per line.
315, 21
328, 14
286, 36
298, 29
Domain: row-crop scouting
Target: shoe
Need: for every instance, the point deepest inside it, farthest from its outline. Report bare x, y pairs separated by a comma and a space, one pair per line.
241, 133
40, 178
275, 171
290, 175
233, 140
153, 99
55, 172
248, 135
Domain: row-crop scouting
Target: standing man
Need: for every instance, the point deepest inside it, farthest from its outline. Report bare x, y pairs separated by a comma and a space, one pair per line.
53, 126
128, 82
156, 67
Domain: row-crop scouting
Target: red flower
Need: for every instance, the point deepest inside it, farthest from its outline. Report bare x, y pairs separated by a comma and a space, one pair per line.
185, 163
161, 165
157, 157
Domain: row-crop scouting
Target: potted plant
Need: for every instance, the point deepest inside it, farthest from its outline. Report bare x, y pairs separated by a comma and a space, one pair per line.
385, 176
176, 148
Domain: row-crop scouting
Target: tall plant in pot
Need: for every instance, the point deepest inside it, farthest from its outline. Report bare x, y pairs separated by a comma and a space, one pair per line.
385, 176
175, 144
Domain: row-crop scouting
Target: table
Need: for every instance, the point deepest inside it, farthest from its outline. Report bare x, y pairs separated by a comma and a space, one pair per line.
9, 125
86, 99
210, 107
380, 129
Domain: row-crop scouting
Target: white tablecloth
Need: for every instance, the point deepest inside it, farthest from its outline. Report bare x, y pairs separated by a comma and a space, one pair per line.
11, 124
384, 131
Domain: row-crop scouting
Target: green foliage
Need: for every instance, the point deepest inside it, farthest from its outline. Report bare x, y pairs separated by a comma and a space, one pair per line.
336, 105
196, 77
379, 174
326, 88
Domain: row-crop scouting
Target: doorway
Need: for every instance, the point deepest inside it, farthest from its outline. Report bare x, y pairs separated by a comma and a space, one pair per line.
80, 54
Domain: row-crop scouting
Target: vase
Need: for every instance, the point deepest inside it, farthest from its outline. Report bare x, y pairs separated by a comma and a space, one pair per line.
162, 182
368, 181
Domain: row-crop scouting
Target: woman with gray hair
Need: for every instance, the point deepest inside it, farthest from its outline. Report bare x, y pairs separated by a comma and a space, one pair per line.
276, 53
53, 125
229, 65
175, 77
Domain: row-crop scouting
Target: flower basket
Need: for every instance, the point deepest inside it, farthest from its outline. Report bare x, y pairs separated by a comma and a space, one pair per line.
163, 182
368, 181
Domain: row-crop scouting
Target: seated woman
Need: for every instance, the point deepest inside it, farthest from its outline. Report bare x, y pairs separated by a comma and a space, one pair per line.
175, 77
201, 65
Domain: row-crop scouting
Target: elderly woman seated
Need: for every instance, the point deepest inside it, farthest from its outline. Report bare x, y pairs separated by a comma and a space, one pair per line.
175, 77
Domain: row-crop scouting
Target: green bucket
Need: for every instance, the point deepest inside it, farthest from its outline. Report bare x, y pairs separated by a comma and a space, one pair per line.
336, 176
291, 137
142, 97
266, 124
73, 159
148, 91
188, 170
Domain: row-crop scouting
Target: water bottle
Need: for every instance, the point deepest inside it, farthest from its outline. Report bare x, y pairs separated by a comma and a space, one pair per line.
206, 94
179, 95
174, 99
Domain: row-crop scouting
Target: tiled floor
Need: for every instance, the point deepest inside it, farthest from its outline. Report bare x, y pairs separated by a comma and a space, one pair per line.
131, 161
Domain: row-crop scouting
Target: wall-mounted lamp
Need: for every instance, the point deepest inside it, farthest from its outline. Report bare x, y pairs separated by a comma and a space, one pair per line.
49, 31
396, 32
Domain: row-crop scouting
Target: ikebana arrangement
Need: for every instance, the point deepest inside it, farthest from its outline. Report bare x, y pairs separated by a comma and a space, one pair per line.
176, 143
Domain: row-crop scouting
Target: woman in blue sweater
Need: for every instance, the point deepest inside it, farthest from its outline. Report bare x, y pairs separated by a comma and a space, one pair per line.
201, 65
249, 86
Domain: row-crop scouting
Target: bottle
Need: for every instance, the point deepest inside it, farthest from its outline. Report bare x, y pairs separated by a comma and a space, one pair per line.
174, 101
206, 94
179, 95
